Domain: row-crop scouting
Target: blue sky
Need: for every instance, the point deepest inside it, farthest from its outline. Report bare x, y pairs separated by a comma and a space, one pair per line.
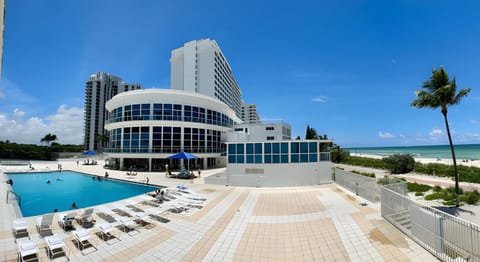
347, 68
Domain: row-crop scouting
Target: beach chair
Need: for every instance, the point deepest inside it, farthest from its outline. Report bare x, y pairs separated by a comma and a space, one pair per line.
55, 247
107, 214
105, 231
66, 220
20, 228
27, 251
44, 223
82, 238
85, 217
127, 225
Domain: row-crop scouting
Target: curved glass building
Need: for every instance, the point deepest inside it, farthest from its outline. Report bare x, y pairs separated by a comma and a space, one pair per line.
147, 126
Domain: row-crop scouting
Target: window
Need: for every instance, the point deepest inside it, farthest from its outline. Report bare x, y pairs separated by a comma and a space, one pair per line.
270, 128
270, 138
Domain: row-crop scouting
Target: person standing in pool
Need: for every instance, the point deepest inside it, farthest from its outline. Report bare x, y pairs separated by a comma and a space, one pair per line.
74, 205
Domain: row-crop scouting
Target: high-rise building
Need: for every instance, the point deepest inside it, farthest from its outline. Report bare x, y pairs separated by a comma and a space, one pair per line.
249, 114
200, 66
99, 88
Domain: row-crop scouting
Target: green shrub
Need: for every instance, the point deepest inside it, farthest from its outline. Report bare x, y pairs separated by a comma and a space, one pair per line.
470, 197
433, 196
363, 174
399, 164
451, 202
437, 189
415, 187
419, 193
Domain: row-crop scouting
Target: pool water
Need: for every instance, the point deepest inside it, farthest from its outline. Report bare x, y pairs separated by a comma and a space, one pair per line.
39, 197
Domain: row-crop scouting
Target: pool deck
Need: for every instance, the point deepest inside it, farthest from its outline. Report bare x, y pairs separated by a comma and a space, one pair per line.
315, 223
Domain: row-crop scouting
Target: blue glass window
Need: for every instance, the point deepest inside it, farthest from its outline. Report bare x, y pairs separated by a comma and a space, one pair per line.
231, 159
240, 149
295, 158
284, 148
231, 149
258, 148
313, 158
268, 148
268, 159
294, 148
249, 149
313, 147
240, 159
258, 159
304, 147
276, 148
250, 159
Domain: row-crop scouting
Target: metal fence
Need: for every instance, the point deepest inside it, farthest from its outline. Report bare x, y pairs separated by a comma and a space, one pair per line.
447, 237
363, 186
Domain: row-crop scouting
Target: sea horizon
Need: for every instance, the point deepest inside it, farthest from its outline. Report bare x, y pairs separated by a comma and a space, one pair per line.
462, 151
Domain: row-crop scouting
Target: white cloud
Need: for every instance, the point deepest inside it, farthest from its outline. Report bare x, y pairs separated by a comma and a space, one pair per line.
18, 113
320, 99
386, 135
66, 124
436, 132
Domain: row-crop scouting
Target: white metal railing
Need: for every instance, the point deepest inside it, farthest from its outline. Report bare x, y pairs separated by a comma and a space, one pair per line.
447, 237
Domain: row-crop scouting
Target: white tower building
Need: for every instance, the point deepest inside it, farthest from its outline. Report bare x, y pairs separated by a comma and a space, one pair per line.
200, 66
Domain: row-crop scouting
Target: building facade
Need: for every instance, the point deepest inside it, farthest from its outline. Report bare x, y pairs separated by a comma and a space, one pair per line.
99, 88
278, 163
249, 113
200, 66
145, 127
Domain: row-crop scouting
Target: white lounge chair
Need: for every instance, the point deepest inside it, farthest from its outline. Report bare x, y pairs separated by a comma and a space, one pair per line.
66, 220
44, 223
20, 228
55, 247
106, 214
82, 238
105, 231
27, 251
127, 224
85, 217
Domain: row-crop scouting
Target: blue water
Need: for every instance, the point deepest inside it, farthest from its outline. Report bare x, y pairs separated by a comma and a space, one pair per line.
471, 152
38, 197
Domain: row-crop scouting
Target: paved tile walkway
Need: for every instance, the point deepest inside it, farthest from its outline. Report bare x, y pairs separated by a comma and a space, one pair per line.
317, 223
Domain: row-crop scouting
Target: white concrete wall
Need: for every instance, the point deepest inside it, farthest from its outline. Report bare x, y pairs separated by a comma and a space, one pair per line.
279, 175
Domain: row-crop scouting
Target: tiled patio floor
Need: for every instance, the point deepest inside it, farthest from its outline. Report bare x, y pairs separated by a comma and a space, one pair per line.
319, 223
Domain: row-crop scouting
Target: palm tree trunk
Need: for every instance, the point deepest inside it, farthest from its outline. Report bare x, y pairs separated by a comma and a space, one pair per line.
457, 193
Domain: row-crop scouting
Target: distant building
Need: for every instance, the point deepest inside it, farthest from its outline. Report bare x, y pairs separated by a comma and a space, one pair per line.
249, 113
260, 131
200, 66
99, 88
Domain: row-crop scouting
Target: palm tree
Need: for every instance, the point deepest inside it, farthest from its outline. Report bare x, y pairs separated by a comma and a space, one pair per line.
101, 140
440, 91
48, 138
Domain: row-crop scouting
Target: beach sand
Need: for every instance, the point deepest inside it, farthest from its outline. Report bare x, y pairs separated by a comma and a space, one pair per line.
465, 162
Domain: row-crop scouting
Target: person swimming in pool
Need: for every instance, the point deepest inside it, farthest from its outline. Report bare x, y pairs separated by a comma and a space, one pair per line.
48, 182
74, 205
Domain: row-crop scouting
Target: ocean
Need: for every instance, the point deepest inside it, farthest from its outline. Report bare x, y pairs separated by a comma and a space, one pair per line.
470, 152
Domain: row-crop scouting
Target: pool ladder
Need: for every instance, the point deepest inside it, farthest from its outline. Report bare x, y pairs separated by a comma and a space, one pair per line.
16, 196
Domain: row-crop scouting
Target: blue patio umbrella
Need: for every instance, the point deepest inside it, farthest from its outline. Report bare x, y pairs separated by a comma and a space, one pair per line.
89, 153
184, 156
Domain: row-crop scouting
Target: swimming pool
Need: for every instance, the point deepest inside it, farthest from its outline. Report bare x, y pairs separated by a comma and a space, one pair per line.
39, 197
